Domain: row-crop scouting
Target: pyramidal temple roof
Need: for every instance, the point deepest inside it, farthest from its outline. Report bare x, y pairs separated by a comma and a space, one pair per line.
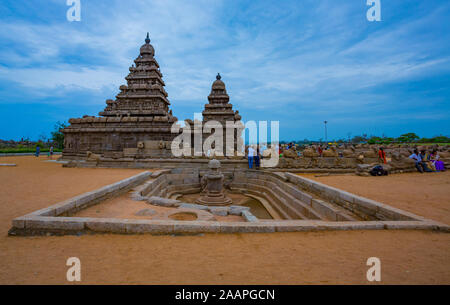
144, 94
219, 108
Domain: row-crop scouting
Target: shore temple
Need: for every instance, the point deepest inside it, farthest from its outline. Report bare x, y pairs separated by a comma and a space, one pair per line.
137, 123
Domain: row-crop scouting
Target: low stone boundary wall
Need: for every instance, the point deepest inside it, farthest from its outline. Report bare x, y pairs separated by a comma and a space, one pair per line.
363, 207
167, 163
39, 225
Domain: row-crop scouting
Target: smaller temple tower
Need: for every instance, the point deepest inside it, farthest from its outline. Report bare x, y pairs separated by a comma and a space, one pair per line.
220, 110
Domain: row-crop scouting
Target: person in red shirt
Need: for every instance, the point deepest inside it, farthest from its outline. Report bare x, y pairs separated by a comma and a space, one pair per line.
382, 155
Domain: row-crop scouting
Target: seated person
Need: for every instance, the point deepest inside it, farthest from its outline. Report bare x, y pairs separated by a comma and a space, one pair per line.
426, 164
436, 162
416, 157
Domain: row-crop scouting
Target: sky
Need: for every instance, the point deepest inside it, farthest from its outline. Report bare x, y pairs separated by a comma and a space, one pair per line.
299, 62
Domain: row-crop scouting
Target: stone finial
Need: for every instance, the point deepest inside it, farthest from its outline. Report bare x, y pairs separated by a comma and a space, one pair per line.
214, 164
218, 77
147, 40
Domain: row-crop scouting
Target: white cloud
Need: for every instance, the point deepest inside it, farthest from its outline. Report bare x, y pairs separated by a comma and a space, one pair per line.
277, 64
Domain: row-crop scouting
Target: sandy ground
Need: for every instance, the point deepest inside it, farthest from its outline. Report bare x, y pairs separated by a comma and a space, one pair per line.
283, 258
427, 194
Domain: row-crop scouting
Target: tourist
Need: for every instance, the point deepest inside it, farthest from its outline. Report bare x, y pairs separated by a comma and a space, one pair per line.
320, 150
416, 157
426, 164
257, 158
38, 151
263, 148
50, 153
251, 155
437, 163
382, 155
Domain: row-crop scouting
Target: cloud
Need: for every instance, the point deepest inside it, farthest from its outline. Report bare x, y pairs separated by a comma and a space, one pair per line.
317, 57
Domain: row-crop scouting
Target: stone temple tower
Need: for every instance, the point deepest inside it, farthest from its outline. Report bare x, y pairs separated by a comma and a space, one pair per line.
219, 109
144, 94
139, 116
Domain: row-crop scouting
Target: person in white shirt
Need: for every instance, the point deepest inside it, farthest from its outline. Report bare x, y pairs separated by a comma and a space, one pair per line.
418, 158
251, 155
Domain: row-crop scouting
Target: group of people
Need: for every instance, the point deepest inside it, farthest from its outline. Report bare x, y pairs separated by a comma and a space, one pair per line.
38, 152
427, 162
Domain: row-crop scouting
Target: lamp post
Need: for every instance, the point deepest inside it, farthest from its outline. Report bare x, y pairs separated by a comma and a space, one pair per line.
326, 140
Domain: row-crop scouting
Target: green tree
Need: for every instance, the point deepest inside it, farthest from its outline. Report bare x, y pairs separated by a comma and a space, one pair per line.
440, 139
408, 137
57, 135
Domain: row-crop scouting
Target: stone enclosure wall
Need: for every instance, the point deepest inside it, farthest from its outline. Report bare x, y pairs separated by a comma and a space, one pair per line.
294, 197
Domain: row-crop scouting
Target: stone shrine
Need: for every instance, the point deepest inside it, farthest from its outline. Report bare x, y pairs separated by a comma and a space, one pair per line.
212, 186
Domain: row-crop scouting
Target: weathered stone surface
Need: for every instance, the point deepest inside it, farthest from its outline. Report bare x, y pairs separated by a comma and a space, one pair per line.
149, 226
193, 206
163, 201
237, 210
197, 227
145, 212
408, 225
220, 211
64, 207
246, 227
19, 222
249, 216
50, 211
58, 223
111, 225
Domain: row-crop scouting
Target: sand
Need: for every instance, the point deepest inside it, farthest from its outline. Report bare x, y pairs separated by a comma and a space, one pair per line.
407, 257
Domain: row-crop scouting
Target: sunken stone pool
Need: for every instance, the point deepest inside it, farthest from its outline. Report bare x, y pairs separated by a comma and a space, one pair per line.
167, 202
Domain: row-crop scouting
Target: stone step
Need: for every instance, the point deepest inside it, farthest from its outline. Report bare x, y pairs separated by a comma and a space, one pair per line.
277, 208
306, 208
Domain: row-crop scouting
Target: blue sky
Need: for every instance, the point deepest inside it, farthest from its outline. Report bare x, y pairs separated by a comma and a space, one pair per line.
299, 62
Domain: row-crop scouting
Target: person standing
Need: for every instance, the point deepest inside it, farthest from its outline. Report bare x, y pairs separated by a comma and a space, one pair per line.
257, 158
382, 155
51, 153
320, 150
38, 151
251, 155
